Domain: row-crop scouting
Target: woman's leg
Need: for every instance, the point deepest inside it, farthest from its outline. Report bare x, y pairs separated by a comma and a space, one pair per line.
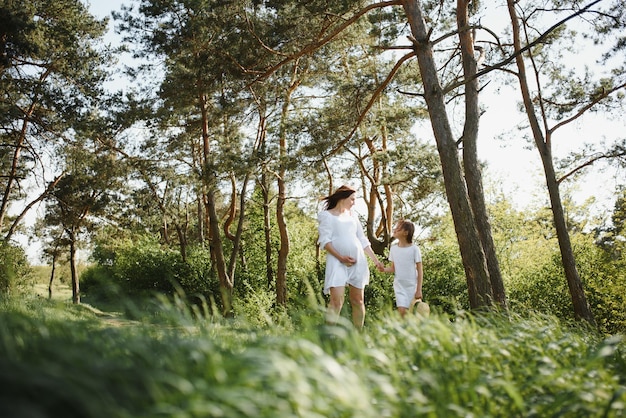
357, 301
335, 304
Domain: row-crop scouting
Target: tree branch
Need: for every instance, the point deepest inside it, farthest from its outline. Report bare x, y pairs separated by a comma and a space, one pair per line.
595, 101
375, 95
318, 44
616, 153
537, 41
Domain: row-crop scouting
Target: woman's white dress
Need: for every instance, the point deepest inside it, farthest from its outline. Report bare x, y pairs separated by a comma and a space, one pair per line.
346, 235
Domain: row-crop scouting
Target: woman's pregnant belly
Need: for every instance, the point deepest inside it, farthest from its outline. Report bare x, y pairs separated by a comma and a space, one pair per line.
347, 245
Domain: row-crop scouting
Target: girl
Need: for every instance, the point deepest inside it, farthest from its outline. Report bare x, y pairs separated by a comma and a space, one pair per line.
406, 264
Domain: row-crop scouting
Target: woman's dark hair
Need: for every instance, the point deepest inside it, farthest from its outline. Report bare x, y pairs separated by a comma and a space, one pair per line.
341, 193
408, 227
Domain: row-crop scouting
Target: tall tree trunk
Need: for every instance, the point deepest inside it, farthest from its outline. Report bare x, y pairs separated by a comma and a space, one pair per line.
283, 249
217, 253
52, 271
73, 269
472, 255
263, 183
236, 239
209, 183
371, 198
11, 177
471, 166
267, 230
543, 143
201, 226
182, 241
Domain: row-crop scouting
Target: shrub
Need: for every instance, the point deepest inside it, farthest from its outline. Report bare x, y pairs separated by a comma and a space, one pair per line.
143, 266
444, 287
15, 271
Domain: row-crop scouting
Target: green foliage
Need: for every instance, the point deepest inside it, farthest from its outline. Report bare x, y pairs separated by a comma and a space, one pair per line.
604, 281
51, 79
542, 290
252, 274
58, 359
535, 279
444, 286
144, 266
15, 271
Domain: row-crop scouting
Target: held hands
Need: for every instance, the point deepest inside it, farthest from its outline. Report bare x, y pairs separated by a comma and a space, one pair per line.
380, 266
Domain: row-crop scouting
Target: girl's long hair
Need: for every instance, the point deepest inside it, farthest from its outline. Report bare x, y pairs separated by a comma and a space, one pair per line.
409, 227
339, 194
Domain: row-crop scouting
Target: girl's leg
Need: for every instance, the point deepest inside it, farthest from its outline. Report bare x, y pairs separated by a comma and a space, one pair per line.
357, 301
335, 304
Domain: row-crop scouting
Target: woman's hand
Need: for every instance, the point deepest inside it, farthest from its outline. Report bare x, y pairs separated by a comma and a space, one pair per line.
347, 260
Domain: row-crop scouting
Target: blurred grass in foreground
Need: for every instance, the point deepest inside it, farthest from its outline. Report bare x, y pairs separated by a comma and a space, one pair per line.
58, 359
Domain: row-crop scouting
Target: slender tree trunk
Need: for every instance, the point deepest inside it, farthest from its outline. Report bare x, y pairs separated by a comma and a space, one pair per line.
73, 270
10, 178
374, 200
471, 166
267, 231
263, 183
209, 184
543, 143
370, 196
283, 249
182, 242
52, 271
201, 226
238, 234
217, 251
472, 255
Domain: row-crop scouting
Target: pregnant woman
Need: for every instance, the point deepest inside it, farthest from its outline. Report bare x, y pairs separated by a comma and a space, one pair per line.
341, 235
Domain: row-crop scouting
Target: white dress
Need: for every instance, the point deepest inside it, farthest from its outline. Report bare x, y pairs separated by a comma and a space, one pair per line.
346, 235
405, 276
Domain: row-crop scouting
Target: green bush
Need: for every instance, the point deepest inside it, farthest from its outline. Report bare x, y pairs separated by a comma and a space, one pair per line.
15, 271
544, 288
444, 287
143, 266
604, 282
96, 282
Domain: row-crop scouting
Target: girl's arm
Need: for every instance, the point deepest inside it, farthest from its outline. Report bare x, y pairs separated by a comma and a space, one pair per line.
420, 279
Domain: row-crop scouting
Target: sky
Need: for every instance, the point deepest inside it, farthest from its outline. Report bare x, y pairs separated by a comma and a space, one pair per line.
513, 166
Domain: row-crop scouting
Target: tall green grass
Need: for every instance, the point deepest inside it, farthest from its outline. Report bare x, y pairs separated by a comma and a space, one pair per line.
57, 359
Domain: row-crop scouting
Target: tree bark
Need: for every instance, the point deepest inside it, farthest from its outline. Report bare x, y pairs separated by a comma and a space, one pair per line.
543, 143
283, 249
73, 270
236, 239
472, 255
267, 230
215, 241
52, 271
471, 166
